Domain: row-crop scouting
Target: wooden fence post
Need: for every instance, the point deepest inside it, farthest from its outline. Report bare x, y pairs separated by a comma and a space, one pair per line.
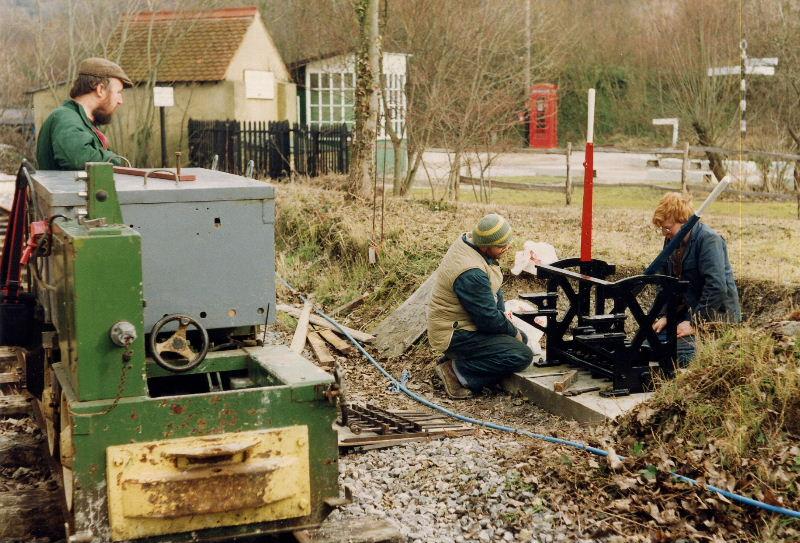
568, 188
685, 167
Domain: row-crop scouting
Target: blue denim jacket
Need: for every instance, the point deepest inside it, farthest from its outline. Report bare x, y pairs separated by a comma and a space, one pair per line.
712, 293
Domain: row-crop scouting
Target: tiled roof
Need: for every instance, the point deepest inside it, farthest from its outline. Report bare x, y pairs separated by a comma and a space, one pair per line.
183, 46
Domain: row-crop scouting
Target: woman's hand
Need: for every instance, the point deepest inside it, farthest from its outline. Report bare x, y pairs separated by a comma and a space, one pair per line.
685, 328
659, 325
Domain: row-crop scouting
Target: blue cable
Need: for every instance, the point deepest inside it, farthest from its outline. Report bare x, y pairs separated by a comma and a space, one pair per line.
400, 386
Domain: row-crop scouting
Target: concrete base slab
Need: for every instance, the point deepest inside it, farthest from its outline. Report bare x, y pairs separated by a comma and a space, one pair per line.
536, 384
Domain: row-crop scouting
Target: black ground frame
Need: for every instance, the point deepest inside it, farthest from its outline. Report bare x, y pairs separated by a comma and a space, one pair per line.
591, 332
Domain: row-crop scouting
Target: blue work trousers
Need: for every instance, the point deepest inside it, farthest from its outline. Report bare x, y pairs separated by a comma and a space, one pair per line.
686, 349
484, 359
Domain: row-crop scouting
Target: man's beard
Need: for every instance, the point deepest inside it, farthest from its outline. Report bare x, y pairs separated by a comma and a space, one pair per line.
101, 117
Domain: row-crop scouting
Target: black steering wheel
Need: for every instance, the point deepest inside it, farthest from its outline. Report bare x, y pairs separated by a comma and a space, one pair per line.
179, 344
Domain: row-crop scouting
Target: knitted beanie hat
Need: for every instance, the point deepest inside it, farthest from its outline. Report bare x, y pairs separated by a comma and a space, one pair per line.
492, 231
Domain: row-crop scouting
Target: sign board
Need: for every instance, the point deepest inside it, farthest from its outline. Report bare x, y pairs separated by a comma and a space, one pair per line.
163, 96
767, 61
736, 70
670, 121
259, 85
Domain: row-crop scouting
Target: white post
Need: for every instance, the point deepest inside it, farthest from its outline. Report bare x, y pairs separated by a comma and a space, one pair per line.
743, 90
590, 119
568, 188
527, 48
685, 167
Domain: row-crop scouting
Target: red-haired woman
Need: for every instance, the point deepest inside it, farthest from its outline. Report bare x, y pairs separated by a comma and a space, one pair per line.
702, 260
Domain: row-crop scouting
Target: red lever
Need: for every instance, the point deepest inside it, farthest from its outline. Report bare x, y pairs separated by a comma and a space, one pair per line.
38, 230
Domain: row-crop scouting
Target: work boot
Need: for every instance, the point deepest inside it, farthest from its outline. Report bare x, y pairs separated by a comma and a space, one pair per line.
452, 386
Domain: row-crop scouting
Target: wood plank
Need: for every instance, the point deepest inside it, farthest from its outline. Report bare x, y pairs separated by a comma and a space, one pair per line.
20, 450
320, 350
10, 377
14, 406
8, 358
357, 530
565, 381
26, 514
153, 174
300, 333
319, 321
406, 324
341, 345
350, 305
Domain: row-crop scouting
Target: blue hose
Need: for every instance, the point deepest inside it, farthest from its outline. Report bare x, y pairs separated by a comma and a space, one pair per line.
401, 387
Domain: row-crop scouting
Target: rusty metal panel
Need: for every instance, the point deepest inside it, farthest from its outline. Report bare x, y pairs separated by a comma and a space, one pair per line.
179, 485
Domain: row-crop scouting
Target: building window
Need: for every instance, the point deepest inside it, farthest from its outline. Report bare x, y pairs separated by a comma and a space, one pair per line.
331, 97
396, 102
331, 101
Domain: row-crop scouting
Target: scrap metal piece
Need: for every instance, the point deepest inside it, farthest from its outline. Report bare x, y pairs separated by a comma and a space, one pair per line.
369, 426
579, 391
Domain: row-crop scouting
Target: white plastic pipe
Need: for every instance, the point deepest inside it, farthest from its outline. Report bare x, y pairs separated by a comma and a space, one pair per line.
722, 185
590, 120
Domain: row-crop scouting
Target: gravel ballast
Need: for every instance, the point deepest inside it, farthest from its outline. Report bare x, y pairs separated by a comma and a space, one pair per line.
459, 489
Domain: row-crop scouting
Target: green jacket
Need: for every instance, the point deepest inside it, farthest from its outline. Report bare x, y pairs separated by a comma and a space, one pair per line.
67, 141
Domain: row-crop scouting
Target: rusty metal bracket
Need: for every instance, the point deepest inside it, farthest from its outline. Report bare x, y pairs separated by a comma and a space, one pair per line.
370, 425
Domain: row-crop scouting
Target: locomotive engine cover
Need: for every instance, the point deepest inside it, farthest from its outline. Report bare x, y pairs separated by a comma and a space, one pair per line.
208, 246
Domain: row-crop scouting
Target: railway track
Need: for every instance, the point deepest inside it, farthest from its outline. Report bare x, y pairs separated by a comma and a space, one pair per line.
29, 495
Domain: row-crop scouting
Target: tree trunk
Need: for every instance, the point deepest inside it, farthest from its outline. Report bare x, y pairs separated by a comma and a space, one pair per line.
455, 175
397, 179
714, 159
796, 139
413, 166
366, 106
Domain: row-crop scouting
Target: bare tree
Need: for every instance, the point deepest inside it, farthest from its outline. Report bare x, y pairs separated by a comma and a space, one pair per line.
387, 115
467, 77
304, 29
692, 37
63, 32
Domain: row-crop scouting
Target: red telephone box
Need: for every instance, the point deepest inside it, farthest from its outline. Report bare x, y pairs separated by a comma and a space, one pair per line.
544, 116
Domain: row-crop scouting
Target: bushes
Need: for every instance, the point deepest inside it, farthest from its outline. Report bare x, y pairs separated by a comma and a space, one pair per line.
734, 413
323, 243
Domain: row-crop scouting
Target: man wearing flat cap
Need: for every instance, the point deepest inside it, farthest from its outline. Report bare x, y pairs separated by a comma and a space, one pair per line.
466, 313
70, 136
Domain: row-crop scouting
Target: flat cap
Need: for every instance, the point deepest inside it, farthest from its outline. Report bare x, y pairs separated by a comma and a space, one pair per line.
101, 67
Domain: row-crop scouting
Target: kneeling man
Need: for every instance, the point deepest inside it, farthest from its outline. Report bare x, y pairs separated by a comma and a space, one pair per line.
466, 314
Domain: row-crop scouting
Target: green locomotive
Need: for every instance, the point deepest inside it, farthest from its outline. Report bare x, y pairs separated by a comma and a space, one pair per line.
169, 417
